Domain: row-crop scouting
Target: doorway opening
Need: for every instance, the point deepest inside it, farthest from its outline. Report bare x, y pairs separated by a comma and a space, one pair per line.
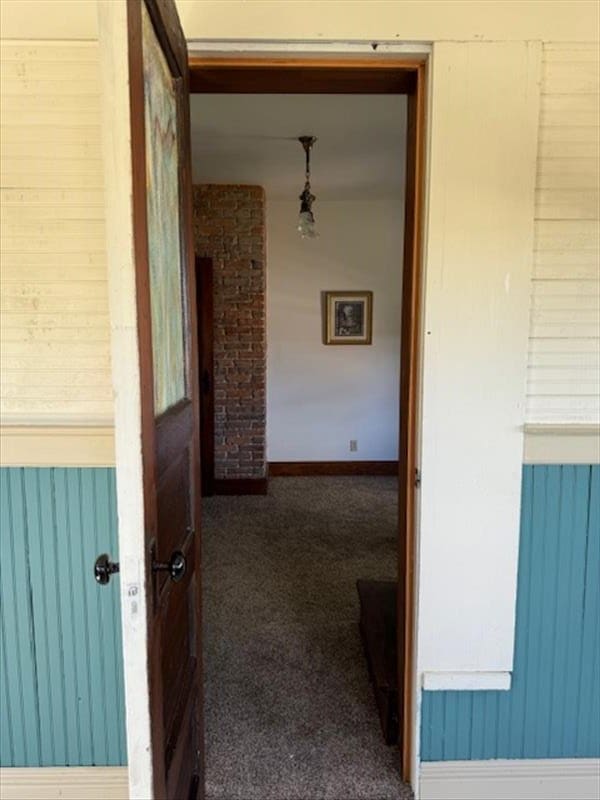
247, 89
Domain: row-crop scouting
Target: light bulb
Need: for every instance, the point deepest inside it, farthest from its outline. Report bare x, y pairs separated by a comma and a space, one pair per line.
306, 225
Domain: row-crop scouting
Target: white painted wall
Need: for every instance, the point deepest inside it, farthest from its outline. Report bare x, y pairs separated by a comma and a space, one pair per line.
392, 20
482, 166
55, 340
319, 397
55, 335
363, 20
564, 339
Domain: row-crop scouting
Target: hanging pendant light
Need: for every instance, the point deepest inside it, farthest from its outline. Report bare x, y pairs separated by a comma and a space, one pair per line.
306, 219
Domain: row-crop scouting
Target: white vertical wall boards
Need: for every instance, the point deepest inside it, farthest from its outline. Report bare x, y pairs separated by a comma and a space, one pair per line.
481, 181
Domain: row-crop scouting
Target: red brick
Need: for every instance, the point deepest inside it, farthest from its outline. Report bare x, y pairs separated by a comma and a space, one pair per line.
229, 226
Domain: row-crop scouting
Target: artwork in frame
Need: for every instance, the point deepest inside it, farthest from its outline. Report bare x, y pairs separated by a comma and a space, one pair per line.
347, 317
165, 254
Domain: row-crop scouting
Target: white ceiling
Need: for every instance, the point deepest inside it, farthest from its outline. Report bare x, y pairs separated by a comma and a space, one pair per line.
253, 139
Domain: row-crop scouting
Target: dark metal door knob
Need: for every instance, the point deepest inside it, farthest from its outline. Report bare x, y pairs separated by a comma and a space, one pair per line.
104, 568
175, 566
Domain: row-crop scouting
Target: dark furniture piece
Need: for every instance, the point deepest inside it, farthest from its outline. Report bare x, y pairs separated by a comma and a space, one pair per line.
378, 614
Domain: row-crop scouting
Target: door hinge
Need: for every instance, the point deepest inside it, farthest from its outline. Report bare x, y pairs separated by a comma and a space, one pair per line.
417, 478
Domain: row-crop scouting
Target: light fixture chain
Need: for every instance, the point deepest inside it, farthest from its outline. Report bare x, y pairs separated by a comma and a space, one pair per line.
306, 224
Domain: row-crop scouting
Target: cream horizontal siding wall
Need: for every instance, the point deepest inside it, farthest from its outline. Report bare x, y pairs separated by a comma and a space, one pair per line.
55, 330
563, 375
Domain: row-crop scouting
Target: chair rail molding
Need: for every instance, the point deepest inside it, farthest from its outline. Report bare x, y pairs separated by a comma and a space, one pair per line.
57, 445
466, 681
561, 444
69, 442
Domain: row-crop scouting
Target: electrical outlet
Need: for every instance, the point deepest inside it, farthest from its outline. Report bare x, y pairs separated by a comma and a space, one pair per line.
353, 445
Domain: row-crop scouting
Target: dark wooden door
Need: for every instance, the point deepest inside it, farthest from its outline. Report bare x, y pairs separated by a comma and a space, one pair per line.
204, 289
167, 337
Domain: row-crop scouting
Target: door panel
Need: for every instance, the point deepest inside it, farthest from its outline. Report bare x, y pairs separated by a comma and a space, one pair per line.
167, 337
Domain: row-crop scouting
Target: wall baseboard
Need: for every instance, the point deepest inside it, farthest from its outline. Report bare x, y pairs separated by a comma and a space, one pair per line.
233, 486
64, 783
281, 469
531, 779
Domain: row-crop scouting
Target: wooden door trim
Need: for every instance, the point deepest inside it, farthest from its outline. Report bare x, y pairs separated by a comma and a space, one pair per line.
205, 314
215, 74
363, 75
410, 400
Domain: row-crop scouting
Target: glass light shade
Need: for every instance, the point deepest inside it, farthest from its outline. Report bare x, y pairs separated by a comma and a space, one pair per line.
306, 225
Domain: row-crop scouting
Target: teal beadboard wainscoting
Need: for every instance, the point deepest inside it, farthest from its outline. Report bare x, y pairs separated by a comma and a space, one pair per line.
61, 683
61, 674
553, 707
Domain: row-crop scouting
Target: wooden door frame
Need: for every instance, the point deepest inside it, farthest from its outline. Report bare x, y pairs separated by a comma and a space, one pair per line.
205, 317
367, 75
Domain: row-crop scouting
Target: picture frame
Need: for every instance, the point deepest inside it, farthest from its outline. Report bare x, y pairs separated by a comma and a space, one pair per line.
347, 317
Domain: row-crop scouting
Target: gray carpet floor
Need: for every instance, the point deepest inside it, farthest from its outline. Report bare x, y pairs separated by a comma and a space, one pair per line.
289, 710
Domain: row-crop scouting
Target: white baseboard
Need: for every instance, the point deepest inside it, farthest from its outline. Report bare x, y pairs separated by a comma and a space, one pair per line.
64, 783
539, 779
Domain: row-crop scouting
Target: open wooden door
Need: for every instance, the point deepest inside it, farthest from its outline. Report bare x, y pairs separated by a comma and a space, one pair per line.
154, 348
165, 288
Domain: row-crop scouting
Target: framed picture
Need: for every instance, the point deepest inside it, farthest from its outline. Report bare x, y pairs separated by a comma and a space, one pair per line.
347, 317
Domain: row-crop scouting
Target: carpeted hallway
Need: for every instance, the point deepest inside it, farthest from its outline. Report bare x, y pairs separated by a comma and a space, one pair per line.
289, 711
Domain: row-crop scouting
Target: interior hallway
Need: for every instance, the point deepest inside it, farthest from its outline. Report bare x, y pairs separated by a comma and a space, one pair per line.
289, 711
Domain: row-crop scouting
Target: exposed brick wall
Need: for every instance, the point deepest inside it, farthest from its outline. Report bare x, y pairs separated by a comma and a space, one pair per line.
229, 227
